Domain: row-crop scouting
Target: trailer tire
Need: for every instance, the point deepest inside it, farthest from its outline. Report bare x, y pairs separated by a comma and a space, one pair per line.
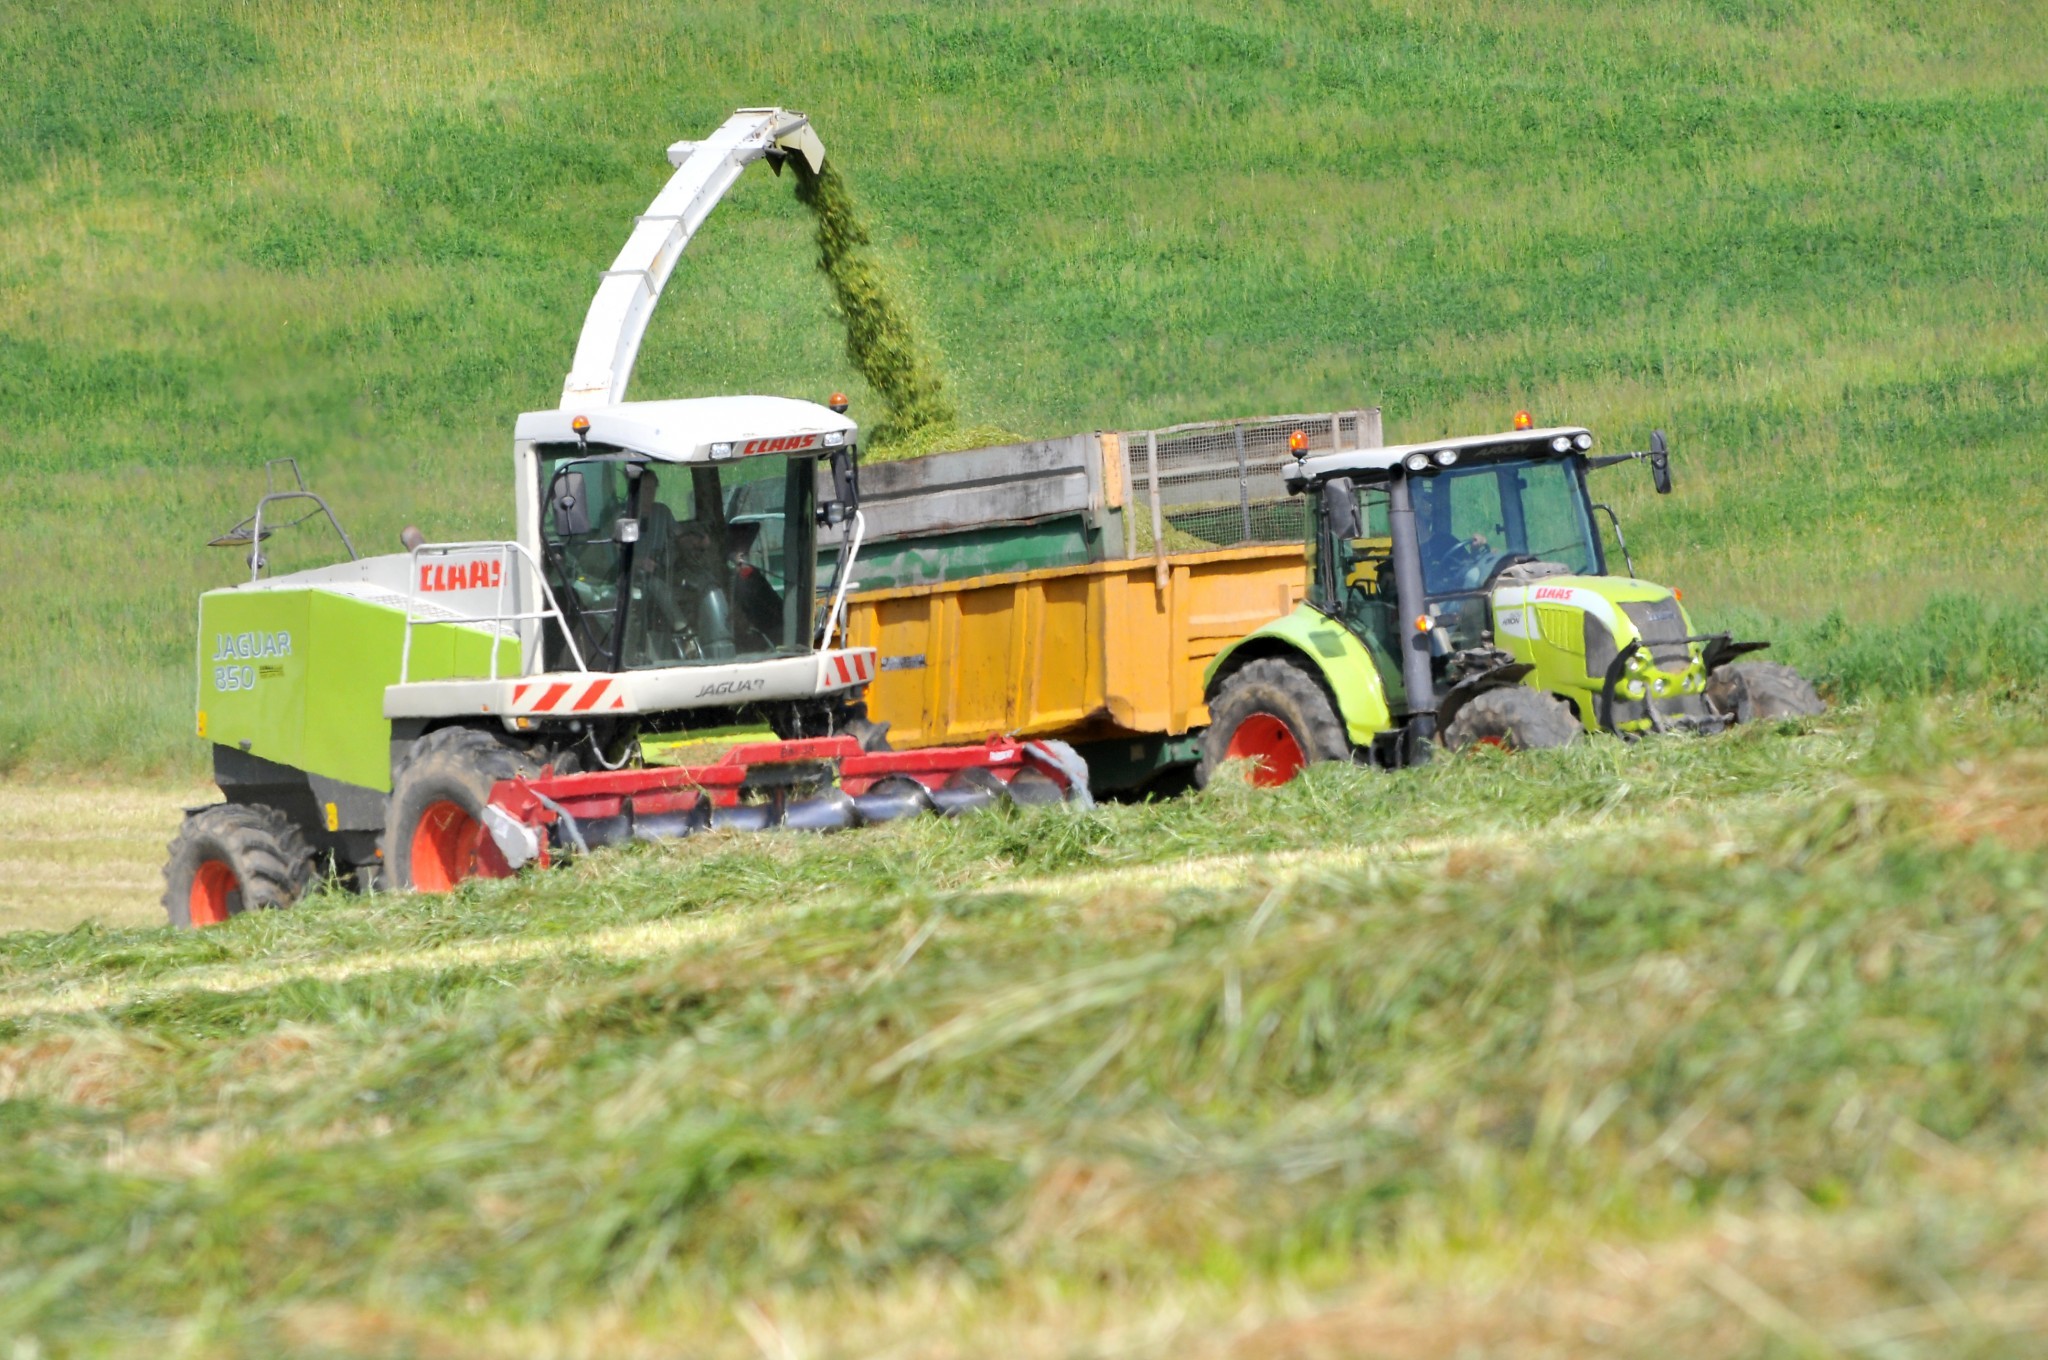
434, 836
1513, 716
1763, 690
232, 858
1274, 712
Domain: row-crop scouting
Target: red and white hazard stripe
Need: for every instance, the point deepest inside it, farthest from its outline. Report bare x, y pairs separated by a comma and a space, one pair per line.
568, 696
851, 668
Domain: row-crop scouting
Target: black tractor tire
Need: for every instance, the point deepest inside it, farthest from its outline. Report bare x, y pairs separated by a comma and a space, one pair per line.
433, 829
232, 858
1763, 691
1516, 717
1273, 711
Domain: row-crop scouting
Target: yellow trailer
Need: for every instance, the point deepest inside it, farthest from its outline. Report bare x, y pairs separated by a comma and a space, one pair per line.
1080, 587
1100, 652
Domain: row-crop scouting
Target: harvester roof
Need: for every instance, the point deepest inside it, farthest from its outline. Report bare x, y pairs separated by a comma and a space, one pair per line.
686, 430
1466, 448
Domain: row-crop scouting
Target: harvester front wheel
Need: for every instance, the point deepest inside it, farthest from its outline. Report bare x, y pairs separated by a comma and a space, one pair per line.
434, 835
232, 858
1514, 716
1273, 713
1762, 691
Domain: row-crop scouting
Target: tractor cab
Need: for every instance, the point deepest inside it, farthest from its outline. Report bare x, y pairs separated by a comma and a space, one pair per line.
680, 533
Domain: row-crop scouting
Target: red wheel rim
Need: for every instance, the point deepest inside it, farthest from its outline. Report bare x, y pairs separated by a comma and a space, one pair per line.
213, 883
1264, 739
449, 846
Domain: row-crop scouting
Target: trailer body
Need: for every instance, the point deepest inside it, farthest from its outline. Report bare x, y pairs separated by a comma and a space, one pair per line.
1080, 588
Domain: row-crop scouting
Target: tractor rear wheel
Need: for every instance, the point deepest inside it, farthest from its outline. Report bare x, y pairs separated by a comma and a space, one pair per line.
232, 858
1276, 714
1763, 690
434, 834
1514, 716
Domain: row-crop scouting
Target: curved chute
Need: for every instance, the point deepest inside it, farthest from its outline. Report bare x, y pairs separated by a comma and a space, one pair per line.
618, 316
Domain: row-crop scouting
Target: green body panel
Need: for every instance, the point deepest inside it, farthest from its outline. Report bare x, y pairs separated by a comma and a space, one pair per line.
1555, 643
987, 551
297, 676
1355, 678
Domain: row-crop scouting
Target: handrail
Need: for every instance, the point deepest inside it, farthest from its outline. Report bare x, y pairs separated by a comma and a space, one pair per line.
502, 547
845, 575
257, 561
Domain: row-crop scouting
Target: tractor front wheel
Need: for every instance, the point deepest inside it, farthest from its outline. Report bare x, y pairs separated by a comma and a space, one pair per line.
1275, 714
1514, 716
232, 858
1762, 691
434, 835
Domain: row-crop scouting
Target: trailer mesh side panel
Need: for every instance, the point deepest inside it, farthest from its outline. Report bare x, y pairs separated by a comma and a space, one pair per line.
1219, 483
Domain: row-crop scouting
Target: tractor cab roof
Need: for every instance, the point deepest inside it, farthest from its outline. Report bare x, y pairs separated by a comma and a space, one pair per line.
695, 429
1464, 449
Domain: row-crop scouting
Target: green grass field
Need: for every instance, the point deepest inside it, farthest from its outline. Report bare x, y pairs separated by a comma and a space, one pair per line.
1689, 1050
1696, 1049
1804, 237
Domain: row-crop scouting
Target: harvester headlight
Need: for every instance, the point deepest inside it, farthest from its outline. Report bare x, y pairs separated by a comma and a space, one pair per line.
1583, 441
721, 450
834, 438
1562, 444
1416, 462
1446, 457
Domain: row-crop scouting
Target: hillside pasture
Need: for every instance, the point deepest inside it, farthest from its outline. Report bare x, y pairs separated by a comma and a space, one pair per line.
1803, 237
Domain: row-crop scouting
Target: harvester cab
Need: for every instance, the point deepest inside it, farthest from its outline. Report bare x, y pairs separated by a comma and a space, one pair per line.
465, 709
1460, 593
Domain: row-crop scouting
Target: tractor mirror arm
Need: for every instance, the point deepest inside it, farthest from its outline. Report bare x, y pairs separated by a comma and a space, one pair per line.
1659, 455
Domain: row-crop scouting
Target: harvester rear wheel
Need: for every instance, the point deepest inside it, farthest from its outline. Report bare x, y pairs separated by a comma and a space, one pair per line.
1514, 716
1763, 690
1274, 713
434, 836
232, 858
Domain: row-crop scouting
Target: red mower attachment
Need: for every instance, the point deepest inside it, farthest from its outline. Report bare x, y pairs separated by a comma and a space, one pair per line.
815, 784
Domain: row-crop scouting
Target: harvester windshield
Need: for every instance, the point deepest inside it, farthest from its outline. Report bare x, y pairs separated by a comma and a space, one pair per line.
660, 564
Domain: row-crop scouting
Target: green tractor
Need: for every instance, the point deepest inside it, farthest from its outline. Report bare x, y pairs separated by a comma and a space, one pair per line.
1459, 594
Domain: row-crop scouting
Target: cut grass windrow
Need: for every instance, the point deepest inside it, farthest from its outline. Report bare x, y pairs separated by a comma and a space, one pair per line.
1785, 979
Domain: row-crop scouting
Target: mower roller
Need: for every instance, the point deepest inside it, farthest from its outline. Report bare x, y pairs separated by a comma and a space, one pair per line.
468, 709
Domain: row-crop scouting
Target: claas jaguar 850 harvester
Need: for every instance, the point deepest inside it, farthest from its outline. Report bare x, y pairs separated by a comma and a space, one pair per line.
465, 709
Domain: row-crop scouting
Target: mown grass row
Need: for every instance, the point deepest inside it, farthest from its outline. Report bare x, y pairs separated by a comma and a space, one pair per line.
1725, 977
1800, 239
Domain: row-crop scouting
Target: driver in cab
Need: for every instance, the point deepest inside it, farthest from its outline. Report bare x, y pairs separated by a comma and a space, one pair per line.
1448, 562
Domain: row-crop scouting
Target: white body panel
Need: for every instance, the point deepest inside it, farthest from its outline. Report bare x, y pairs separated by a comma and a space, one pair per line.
563, 695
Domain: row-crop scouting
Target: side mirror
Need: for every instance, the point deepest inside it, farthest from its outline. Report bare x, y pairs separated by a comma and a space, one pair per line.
565, 501
1340, 508
846, 478
1660, 463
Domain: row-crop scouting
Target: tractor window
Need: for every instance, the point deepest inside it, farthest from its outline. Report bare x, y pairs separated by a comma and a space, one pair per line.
1471, 521
695, 556
1366, 582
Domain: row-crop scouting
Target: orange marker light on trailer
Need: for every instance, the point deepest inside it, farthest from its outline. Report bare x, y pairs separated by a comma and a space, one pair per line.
1677, 594
1522, 421
1297, 443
